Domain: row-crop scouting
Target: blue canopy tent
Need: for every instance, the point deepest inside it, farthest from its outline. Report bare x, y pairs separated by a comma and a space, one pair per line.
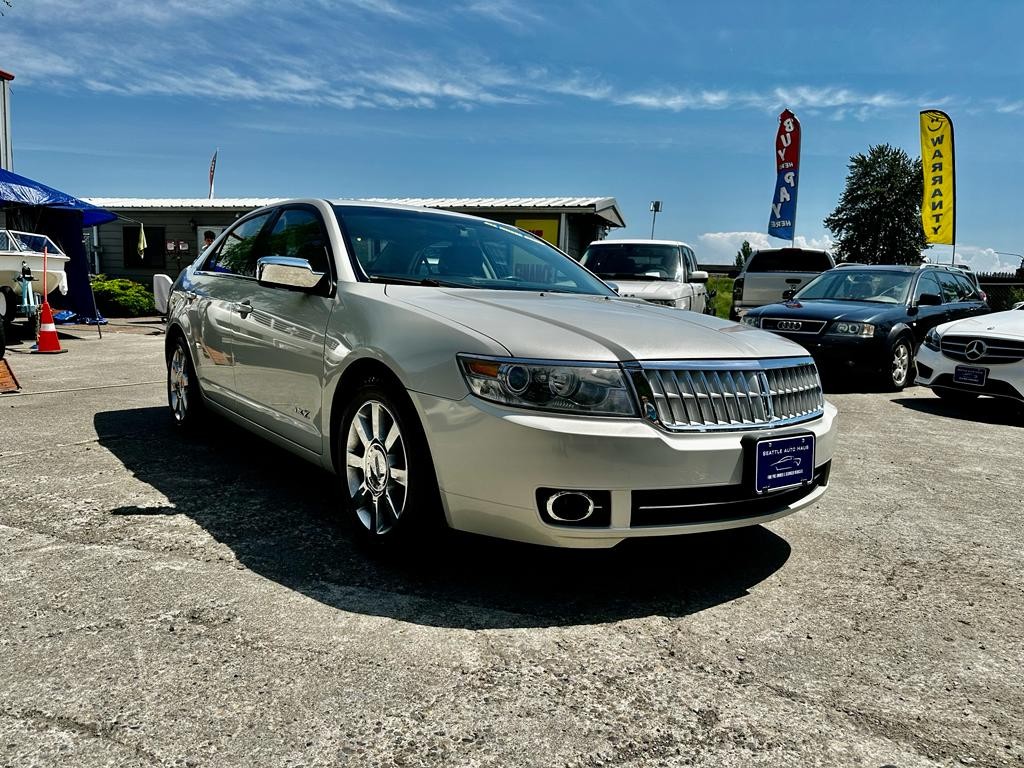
61, 217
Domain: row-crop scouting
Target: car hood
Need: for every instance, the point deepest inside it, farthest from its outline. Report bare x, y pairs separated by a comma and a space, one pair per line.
999, 324
558, 326
827, 309
650, 289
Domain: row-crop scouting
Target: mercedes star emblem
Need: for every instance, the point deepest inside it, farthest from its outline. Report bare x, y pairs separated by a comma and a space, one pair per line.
976, 350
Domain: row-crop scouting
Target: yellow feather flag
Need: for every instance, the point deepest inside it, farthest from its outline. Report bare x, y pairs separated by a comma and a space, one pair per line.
142, 241
938, 207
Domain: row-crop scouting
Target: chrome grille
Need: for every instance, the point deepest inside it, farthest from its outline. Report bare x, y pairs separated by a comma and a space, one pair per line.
996, 350
730, 394
791, 325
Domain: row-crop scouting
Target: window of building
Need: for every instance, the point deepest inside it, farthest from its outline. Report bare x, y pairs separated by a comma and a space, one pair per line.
154, 256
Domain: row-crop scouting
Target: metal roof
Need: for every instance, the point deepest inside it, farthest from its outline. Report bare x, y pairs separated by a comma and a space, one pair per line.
605, 207
175, 203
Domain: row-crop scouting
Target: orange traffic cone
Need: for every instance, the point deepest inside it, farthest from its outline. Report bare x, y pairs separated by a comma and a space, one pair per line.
48, 342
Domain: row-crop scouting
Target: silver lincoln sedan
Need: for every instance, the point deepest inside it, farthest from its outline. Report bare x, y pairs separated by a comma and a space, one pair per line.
453, 369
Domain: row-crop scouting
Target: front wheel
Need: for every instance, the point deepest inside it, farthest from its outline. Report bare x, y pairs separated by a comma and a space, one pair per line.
183, 394
901, 365
389, 483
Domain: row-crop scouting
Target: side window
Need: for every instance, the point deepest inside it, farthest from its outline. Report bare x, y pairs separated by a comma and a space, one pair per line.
237, 254
299, 233
927, 283
691, 262
950, 291
967, 290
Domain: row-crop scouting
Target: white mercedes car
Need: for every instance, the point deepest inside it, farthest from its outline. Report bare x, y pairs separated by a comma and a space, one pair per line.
453, 369
976, 356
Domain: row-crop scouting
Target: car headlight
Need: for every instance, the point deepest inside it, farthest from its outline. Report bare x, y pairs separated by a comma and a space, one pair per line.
753, 322
843, 328
931, 340
598, 389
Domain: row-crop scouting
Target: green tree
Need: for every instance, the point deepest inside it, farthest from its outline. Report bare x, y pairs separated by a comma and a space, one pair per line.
743, 254
878, 219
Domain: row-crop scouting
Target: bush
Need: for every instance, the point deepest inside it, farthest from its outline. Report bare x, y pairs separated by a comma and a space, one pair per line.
723, 300
122, 298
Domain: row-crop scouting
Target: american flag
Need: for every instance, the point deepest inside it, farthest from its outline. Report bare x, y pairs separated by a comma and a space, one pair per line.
213, 170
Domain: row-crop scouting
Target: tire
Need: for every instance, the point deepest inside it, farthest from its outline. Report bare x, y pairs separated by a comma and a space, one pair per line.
389, 488
955, 395
8, 306
32, 325
898, 372
183, 394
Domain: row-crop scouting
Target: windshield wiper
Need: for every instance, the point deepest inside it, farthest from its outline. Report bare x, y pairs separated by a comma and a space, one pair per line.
427, 281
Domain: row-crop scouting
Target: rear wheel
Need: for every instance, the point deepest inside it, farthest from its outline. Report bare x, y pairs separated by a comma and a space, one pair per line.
390, 490
901, 364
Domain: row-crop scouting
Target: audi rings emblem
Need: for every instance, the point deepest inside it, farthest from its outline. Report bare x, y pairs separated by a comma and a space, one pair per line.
976, 350
789, 325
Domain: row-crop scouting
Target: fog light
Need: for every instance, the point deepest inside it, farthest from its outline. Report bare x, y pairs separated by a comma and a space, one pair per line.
569, 507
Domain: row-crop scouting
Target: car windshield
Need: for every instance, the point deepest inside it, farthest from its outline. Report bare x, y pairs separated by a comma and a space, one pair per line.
425, 248
633, 261
27, 241
845, 284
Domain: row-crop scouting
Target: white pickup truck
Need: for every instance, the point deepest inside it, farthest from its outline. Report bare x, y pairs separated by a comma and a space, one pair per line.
659, 271
770, 272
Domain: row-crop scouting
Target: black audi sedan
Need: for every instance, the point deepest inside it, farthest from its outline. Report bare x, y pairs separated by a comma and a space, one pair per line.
871, 318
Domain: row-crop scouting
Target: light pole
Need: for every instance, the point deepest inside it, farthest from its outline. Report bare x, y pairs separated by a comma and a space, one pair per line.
1018, 255
655, 207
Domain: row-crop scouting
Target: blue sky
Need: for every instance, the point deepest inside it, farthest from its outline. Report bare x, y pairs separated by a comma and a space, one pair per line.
650, 100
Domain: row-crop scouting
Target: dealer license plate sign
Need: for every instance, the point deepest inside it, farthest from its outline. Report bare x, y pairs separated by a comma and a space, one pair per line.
966, 374
783, 462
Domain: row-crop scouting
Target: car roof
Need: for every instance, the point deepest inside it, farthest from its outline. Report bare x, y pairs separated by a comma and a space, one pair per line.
639, 241
789, 249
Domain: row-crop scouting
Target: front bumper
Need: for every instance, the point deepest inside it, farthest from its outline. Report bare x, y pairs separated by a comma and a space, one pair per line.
491, 461
839, 353
1004, 380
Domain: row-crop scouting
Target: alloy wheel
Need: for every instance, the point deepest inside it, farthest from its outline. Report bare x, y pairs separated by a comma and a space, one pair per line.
178, 384
900, 363
376, 467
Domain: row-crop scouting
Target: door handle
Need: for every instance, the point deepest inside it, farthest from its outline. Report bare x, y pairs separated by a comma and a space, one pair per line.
190, 296
243, 307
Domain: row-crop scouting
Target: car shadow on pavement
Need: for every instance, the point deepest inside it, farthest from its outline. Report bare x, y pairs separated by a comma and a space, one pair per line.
984, 410
279, 515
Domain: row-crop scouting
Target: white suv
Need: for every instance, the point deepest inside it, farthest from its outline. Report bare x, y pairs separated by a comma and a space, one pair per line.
662, 272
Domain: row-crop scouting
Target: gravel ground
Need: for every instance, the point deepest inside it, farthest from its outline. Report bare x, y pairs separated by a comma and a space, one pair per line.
194, 602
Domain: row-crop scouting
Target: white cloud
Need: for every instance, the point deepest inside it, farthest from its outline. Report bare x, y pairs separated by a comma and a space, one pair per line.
979, 259
511, 14
721, 247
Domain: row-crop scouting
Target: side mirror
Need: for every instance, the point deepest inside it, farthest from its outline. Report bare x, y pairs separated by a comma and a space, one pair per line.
613, 286
788, 294
287, 272
698, 276
929, 300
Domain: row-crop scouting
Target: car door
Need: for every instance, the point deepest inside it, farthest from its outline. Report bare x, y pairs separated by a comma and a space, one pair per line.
213, 292
955, 296
970, 297
927, 316
279, 333
698, 291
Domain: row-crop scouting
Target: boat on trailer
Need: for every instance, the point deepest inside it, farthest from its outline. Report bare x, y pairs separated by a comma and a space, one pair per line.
21, 272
